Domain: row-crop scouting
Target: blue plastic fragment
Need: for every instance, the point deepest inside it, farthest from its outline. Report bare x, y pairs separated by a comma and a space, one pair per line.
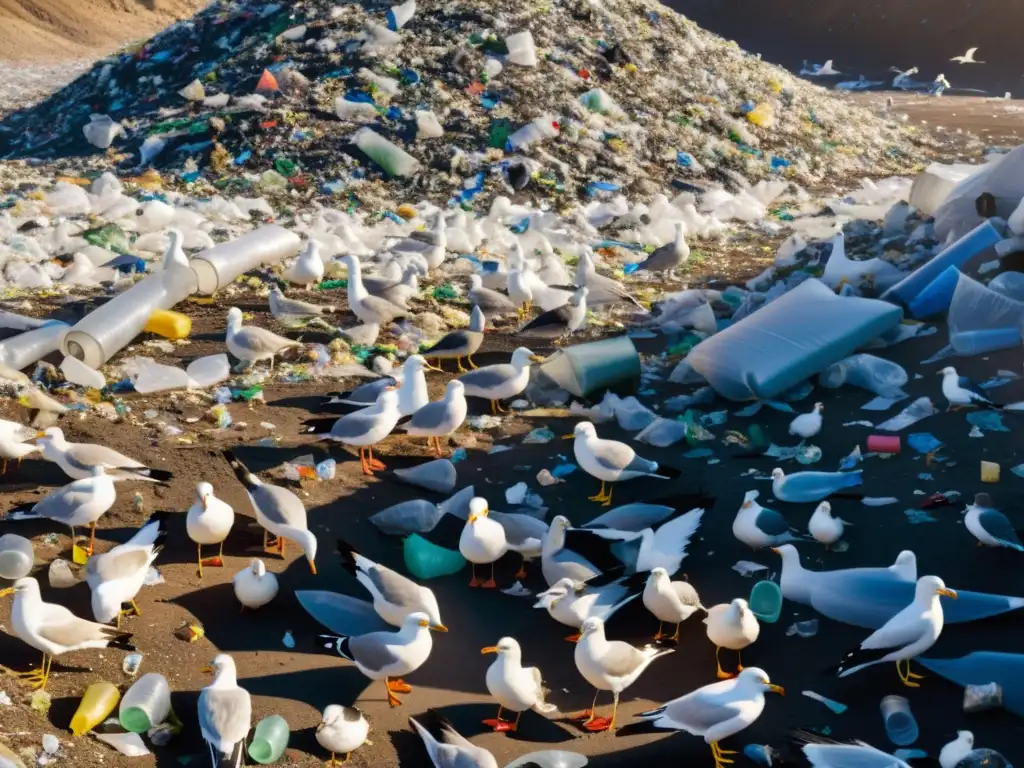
779, 163
629, 269
563, 469
520, 226
684, 159
924, 442
242, 156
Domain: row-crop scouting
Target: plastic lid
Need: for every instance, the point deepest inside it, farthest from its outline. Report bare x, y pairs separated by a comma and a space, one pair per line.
134, 719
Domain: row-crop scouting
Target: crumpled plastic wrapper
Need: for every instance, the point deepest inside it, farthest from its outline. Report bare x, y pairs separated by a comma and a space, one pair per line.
982, 698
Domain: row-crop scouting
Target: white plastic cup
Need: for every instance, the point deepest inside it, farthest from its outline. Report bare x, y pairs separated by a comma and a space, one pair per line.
219, 266
146, 704
16, 556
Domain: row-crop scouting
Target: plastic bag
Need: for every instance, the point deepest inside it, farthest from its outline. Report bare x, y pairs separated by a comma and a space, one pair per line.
662, 433
875, 374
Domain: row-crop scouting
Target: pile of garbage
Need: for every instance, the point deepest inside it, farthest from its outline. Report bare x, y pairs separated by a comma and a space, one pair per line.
454, 102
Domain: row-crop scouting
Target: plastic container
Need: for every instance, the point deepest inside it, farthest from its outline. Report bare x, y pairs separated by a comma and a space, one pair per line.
936, 296
989, 472
108, 329
219, 266
28, 348
437, 475
389, 156
1009, 284
170, 325
398, 15
16, 556
585, 369
959, 253
884, 443
77, 372
541, 129
900, 725
875, 374
766, 601
981, 320
98, 702
146, 704
270, 740
426, 560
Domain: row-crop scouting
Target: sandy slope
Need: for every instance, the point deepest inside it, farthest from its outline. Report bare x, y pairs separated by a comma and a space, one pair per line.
48, 30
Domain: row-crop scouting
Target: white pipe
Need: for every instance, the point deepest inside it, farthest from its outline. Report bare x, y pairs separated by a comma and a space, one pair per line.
219, 266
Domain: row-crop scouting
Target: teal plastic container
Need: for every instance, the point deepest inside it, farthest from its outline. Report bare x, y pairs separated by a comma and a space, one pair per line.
585, 369
766, 601
426, 560
270, 740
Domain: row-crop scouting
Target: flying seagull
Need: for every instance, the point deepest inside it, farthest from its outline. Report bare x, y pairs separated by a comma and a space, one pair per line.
967, 58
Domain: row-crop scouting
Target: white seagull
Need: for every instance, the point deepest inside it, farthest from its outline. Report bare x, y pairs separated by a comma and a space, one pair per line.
967, 58
961, 392
440, 419
370, 309
807, 425
255, 586
81, 502
482, 541
308, 267
225, 714
571, 603
609, 461
990, 526
670, 601
79, 459
115, 577
253, 344
759, 527
502, 381
733, 626
825, 528
342, 730
208, 522
366, 427
513, 686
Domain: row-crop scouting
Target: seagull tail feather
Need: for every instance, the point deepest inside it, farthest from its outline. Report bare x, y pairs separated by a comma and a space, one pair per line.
859, 658
245, 477
119, 640
348, 556
334, 645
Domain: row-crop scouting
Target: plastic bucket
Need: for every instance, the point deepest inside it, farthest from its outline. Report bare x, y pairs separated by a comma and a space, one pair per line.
588, 368
766, 601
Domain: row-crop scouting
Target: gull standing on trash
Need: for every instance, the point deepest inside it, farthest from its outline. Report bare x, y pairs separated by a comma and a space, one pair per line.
669, 257
670, 601
906, 635
54, 630
456, 752
608, 460
278, 510
254, 585
440, 419
387, 655
961, 392
252, 343
717, 711
79, 459
308, 267
370, 309
572, 603
760, 527
990, 526
733, 626
225, 714
967, 58
482, 541
502, 381
394, 595
603, 290
492, 303
609, 666
14, 443
342, 730
365, 428
115, 577
284, 309
80, 502
825, 528
560, 321
807, 425
513, 686
208, 522
461, 343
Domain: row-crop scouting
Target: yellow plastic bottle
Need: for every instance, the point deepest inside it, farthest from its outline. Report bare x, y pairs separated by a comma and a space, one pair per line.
170, 325
97, 703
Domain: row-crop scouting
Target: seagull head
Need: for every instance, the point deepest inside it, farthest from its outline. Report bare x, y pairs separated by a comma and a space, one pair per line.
414, 363
740, 605
388, 399
778, 474
584, 429
307, 540
54, 434
658, 574
592, 626
983, 500
477, 508
928, 586
825, 508
475, 282
553, 594
420, 620
561, 523
454, 389
507, 646
523, 356
579, 297
947, 371
221, 665
787, 552
966, 738
258, 568
234, 318
750, 497
819, 407
204, 492
758, 677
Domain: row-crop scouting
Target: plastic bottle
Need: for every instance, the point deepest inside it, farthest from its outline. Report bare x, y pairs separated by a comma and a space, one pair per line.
936, 296
146, 704
393, 159
98, 702
900, 725
170, 325
541, 129
270, 740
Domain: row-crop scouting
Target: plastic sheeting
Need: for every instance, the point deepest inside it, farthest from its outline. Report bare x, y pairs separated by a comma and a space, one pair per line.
1003, 178
789, 340
981, 320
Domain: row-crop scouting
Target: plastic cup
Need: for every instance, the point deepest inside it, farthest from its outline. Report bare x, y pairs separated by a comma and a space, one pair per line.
146, 704
270, 740
766, 601
98, 702
588, 368
16, 556
900, 725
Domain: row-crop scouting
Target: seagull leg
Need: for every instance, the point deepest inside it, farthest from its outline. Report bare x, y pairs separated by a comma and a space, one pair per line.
92, 539
719, 753
497, 404
505, 725
574, 638
600, 496
214, 562
372, 462
497, 722
363, 463
658, 635
608, 501
458, 361
739, 661
393, 700
603, 723
4, 470
722, 674
474, 582
676, 635
491, 583
469, 359
199, 559
905, 679
588, 716
269, 547
398, 685
521, 573
436, 367
281, 542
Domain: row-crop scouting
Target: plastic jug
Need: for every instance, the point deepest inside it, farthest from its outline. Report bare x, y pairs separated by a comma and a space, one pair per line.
426, 560
270, 740
766, 601
146, 704
170, 325
98, 702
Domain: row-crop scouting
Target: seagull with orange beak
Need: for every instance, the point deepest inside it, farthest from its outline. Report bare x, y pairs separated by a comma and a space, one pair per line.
514, 687
225, 713
482, 541
209, 522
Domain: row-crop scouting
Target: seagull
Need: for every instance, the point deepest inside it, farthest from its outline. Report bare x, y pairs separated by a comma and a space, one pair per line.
825, 528
252, 343
609, 461
440, 419
906, 635
482, 541
491, 303
670, 601
342, 730
430, 243
717, 711
807, 425
367, 427
502, 381
603, 290
733, 626
370, 309
14, 443
524, 534
513, 686
278, 510
961, 392
394, 595
609, 666
79, 459
560, 321
397, 291
572, 603
255, 586
209, 521
308, 268
955, 751
990, 526
967, 58
824, 69
456, 751
412, 393
760, 527
54, 630
285, 309
387, 655
43, 409
225, 714
811, 486
460, 343
669, 257
80, 502
115, 577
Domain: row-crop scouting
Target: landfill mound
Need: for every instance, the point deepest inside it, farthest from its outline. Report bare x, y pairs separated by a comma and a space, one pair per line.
869, 36
629, 97
49, 30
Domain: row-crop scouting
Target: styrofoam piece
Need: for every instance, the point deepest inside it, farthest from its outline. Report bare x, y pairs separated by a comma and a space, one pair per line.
220, 265
427, 125
392, 158
28, 348
521, 49
356, 111
77, 372
789, 340
933, 185
110, 328
982, 320
101, 130
541, 129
